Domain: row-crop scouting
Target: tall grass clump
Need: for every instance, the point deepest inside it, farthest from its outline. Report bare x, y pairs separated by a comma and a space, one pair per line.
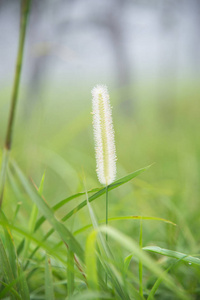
58, 250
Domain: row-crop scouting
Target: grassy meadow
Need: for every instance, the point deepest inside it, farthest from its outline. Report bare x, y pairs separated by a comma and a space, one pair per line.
53, 158
63, 235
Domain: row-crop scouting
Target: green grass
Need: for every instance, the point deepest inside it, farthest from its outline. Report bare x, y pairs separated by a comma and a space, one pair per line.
54, 247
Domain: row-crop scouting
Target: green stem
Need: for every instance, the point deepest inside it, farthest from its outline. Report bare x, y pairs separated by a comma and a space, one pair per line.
3, 173
140, 262
106, 210
25, 6
106, 279
70, 272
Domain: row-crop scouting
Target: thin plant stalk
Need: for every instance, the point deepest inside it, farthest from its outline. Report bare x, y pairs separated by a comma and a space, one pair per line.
70, 272
106, 278
106, 211
140, 262
25, 7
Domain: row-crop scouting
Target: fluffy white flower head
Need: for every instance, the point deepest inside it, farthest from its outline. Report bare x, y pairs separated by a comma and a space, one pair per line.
103, 135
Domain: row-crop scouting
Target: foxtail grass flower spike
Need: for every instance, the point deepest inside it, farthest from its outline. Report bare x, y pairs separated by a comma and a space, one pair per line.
103, 135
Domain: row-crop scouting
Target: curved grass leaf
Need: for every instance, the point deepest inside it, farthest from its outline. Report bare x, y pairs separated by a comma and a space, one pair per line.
99, 192
110, 187
124, 218
62, 203
44, 208
127, 261
173, 254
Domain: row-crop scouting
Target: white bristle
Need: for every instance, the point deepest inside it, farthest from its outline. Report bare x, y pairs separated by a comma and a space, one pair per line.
103, 135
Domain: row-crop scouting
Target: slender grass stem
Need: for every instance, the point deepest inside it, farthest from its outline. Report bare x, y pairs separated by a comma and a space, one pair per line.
140, 262
3, 173
25, 6
106, 210
70, 272
106, 278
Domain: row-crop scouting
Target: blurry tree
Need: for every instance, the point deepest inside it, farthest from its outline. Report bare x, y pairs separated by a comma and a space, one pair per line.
114, 23
112, 20
37, 54
169, 59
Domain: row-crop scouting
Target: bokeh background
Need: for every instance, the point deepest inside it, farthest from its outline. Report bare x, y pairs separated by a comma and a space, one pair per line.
148, 54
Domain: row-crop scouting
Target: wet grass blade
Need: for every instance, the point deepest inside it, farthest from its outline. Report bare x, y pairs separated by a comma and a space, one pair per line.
173, 254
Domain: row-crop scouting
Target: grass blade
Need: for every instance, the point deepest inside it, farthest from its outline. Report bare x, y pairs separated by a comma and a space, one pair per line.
127, 261
62, 203
110, 187
140, 263
23, 287
5, 265
49, 292
64, 233
131, 246
82, 229
159, 281
173, 254
33, 217
70, 272
40, 244
9, 245
84, 203
91, 263
9, 290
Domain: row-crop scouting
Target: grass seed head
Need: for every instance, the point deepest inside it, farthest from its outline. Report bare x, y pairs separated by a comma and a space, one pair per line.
103, 135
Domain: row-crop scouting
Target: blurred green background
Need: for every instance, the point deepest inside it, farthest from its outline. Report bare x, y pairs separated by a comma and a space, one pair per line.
155, 112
